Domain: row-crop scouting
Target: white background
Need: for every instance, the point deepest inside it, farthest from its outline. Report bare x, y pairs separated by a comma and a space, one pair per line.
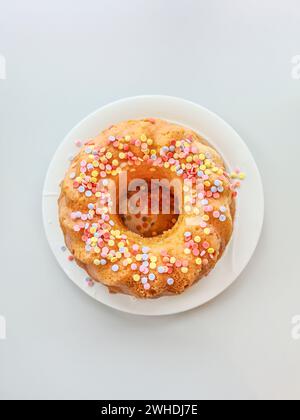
67, 58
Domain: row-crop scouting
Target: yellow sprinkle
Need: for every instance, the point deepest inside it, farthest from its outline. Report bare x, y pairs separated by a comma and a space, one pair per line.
184, 270
136, 277
206, 231
196, 211
242, 175
210, 250
189, 159
108, 155
172, 260
202, 167
96, 261
127, 138
187, 251
152, 265
201, 156
153, 258
198, 261
166, 165
138, 257
233, 175
129, 260
118, 255
207, 183
115, 162
95, 173
149, 142
111, 243
197, 239
93, 230
98, 194
143, 138
122, 155
97, 250
205, 217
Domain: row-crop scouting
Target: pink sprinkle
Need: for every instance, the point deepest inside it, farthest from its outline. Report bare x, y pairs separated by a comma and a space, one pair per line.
78, 143
205, 245
216, 214
146, 286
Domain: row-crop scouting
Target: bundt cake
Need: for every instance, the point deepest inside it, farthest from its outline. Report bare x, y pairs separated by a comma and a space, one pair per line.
116, 230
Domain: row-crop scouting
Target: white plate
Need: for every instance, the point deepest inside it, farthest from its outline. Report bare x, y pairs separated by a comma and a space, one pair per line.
250, 202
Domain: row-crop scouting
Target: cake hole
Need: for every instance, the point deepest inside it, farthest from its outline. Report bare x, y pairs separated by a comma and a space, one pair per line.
140, 217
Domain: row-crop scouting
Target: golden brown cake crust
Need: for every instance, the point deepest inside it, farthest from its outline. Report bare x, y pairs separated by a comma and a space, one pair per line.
124, 261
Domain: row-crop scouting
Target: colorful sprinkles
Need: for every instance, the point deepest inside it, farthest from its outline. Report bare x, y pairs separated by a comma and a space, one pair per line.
109, 245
